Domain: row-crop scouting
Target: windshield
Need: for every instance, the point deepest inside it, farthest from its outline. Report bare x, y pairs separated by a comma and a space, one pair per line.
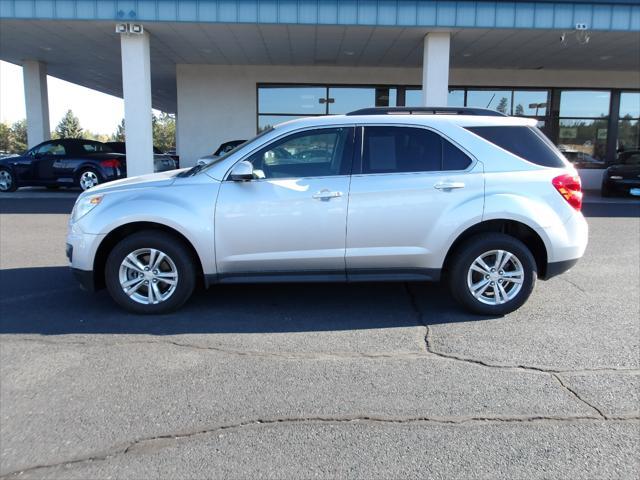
204, 166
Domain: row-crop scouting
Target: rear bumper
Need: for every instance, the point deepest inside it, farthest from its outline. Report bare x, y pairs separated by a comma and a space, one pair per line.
556, 268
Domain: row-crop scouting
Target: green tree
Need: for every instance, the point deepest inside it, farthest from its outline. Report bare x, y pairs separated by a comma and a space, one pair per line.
118, 136
519, 110
502, 105
5, 137
69, 126
164, 131
19, 136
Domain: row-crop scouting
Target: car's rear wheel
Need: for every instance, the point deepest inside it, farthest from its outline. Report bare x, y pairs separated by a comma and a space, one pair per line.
88, 178
8, 181
150, 272
492, 274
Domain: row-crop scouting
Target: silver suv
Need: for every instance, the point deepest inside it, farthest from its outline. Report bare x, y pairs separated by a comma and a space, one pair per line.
471, 196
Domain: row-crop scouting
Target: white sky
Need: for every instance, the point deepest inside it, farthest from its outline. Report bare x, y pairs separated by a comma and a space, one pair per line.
98, 112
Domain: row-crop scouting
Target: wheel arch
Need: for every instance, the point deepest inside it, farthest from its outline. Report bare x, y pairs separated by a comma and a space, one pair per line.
121, 232
514, 228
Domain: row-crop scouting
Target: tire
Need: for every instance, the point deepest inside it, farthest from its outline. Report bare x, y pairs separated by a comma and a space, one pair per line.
87, 178
606, 191
501, 294
177, 265
8, 181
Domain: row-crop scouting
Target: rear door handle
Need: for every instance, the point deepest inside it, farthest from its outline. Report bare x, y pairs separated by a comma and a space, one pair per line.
448, 185
326, 195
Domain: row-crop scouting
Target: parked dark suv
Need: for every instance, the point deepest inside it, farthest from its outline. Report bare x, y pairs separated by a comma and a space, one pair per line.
64, 162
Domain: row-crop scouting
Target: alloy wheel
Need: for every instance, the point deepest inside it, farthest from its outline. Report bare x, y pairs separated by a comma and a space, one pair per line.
88, 179
148, 276
5, 180
495, 277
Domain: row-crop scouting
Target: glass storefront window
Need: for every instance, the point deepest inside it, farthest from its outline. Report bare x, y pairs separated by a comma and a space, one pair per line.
530, 103
629, 122
413, 98
292, 100
267, 121
499, 100
584, 103
584, 141
348, 99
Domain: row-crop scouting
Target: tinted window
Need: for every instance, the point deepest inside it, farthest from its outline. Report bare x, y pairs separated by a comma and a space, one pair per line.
93, 147
453, 158
401, 149
526, 142
315, 153
405, 149
51, 149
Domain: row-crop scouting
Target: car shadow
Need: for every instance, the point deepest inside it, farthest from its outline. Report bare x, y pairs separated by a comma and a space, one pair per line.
48, 301
36, 205
629, 209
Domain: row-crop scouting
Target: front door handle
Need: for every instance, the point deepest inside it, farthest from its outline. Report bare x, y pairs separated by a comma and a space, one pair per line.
448, 185
326, 195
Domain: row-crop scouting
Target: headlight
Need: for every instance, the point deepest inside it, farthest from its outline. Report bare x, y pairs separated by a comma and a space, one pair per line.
615, 177
84, 205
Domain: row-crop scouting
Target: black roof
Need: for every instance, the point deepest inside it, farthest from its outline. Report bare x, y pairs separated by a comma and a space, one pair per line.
427, 111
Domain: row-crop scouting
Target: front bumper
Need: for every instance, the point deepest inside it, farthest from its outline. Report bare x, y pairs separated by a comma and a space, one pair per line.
81, 251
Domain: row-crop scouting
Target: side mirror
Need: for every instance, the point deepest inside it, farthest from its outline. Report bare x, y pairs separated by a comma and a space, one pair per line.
242, 172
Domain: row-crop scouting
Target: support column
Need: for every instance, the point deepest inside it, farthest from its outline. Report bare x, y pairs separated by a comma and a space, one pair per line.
36, 97
435, 69
136, 88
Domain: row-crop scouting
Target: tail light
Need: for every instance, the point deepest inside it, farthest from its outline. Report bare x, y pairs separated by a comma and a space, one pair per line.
570, 188
112, 163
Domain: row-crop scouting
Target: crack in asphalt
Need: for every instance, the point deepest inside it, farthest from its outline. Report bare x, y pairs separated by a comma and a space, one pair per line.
427, 352
139, 444
577, 395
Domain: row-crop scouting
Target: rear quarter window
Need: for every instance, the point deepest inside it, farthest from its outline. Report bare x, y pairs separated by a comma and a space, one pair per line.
528, 143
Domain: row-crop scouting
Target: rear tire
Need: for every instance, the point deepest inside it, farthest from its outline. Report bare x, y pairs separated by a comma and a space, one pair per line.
8, 182
492, 274
155, 268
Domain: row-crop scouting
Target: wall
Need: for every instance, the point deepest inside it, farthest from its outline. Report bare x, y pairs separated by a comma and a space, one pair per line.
217, 103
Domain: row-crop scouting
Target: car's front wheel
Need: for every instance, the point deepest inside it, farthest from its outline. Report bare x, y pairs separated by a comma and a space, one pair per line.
492, 274
150, 272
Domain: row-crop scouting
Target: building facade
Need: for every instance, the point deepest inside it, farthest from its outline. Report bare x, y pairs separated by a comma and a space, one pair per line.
228, 68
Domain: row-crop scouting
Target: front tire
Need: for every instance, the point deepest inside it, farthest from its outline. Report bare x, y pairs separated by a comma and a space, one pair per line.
88, 178
150, 272
492, 274
8, 182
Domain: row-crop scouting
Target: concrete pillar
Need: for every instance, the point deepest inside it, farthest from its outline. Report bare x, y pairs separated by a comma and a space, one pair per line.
36, 97
136, 88
435, 69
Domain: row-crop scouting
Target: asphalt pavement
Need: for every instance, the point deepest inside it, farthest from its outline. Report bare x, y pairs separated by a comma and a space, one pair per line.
383, 380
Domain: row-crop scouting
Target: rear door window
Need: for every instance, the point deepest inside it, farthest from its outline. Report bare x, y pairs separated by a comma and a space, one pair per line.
392, 149
525, 142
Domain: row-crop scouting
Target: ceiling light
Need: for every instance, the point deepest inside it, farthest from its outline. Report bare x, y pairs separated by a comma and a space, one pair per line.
349, 52
606, 57
467, 54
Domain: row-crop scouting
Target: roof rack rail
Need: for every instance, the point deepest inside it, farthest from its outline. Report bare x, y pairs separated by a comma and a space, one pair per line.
427, 111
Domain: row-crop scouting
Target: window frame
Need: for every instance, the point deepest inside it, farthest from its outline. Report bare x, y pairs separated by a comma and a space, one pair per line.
358, 163
350, 147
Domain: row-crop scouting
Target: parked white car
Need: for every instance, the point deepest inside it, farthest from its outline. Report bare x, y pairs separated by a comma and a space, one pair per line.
479, 199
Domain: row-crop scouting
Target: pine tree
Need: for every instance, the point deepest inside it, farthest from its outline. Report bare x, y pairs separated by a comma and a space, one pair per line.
69, 126
519, 110
119, 135
502, 106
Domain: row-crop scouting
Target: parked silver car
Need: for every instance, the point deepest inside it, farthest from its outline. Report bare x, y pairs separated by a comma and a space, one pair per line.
482, 200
